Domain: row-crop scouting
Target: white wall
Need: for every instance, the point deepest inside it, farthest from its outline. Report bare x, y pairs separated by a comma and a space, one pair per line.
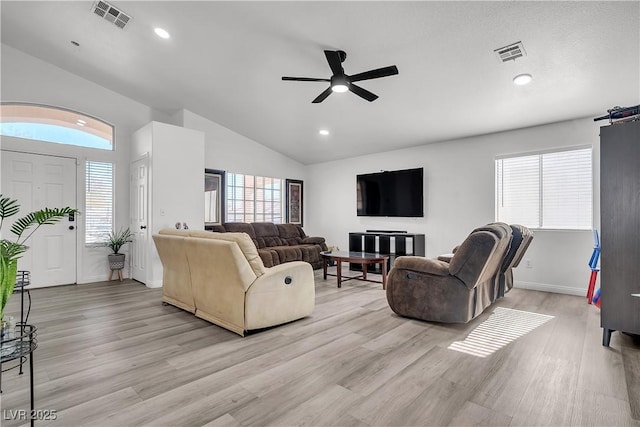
459, 196
229, 151
28, 79
176, 183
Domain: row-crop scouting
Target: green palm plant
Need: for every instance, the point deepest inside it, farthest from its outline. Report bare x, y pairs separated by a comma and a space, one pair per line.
23, 229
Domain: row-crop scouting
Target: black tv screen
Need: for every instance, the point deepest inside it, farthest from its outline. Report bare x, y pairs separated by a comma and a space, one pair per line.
391, 193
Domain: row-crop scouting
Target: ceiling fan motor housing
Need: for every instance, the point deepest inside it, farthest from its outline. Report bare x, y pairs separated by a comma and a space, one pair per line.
339, 83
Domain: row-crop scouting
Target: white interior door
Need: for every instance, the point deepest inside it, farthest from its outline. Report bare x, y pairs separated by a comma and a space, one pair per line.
139, 218
39, 181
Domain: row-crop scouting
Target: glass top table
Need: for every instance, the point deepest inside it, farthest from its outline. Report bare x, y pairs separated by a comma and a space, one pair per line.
362, 258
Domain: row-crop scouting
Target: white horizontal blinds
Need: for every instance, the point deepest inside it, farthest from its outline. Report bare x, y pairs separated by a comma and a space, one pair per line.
235, 197
254, 198
548, 190
567, 189
518, 188
269, 200
98, 212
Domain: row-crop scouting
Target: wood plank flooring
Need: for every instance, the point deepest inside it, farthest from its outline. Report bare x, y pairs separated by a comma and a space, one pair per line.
110, 354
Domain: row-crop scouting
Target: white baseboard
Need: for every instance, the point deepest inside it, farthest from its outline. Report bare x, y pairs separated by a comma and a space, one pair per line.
154, 284
568, 290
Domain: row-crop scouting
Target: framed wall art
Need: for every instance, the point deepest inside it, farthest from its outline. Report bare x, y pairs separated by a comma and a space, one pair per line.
294, 201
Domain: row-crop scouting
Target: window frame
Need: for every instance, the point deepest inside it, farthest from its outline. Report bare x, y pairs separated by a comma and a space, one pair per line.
98, 242
231, 178
541, 153
221, 207
67, 110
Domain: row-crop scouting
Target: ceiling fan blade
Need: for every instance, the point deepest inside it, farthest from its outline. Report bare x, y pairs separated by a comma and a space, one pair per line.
305, 79
363, 93
333, 58
322, 96
375, 74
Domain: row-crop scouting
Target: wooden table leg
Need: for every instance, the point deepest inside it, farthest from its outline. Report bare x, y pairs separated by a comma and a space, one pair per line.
339, 273
365, 267
120, 274
384, 273
325, 263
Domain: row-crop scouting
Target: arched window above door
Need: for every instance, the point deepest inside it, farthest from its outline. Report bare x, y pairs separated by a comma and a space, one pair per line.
54, 124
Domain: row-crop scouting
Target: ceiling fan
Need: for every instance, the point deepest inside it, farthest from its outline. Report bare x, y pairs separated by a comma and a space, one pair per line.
341, 82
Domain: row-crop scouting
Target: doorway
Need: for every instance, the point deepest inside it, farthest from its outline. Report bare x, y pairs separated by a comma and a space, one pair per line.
139, 218
39, 181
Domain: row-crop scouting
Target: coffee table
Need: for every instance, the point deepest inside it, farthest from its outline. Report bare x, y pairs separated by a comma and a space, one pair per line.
363, 258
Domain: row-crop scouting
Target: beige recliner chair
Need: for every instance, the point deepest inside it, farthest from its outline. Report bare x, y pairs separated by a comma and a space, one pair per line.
221, 278
451, 292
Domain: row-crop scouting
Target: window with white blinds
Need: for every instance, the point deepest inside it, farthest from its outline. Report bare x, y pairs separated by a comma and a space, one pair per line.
254, 198
98, 212
549, 190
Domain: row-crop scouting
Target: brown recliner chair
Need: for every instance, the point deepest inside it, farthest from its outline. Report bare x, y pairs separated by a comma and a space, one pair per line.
450, 292
521, 239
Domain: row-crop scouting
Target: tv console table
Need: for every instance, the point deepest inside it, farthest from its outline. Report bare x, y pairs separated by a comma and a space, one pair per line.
385, 243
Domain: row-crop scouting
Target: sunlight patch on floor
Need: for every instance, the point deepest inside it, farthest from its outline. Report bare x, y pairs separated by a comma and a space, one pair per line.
505, 325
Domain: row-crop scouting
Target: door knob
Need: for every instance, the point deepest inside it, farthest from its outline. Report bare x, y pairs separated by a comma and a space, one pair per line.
71, 227
143, 227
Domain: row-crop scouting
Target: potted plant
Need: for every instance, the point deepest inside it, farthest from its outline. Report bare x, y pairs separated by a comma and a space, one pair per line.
12, 250
115, 241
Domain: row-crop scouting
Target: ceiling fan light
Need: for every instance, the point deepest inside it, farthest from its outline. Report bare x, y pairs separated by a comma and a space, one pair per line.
522, 79
339, 88
161, 32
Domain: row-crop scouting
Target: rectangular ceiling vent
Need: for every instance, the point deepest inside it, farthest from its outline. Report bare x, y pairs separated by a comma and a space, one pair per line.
111, 14
511, 52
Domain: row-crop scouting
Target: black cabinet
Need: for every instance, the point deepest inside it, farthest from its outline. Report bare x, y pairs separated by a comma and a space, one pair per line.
620, 228
392, 244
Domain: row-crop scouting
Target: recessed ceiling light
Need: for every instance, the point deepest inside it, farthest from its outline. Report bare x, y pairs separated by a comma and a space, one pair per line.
160, 32
323, 132
80, 122
522, 79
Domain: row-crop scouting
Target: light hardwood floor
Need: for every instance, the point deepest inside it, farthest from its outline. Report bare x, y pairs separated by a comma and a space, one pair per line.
110, 354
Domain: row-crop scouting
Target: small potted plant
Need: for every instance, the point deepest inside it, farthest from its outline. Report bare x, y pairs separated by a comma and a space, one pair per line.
115, 241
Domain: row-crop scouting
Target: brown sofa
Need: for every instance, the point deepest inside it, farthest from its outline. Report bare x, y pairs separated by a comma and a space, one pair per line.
278, 243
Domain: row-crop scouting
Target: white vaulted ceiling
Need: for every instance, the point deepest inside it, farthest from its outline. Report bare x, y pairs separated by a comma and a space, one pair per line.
225, 60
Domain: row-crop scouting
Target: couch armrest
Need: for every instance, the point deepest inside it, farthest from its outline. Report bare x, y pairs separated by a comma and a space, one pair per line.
422, 265
284, 293
445, 257
297, 273
315, 241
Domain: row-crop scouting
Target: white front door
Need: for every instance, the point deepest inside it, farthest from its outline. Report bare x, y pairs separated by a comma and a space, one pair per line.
38, 182
139, 218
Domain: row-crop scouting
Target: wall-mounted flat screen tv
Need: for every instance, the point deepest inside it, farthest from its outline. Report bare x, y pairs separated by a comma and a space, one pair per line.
391, 193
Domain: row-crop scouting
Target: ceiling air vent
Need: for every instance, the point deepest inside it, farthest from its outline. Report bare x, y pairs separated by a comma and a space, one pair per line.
511, 52
111, 14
